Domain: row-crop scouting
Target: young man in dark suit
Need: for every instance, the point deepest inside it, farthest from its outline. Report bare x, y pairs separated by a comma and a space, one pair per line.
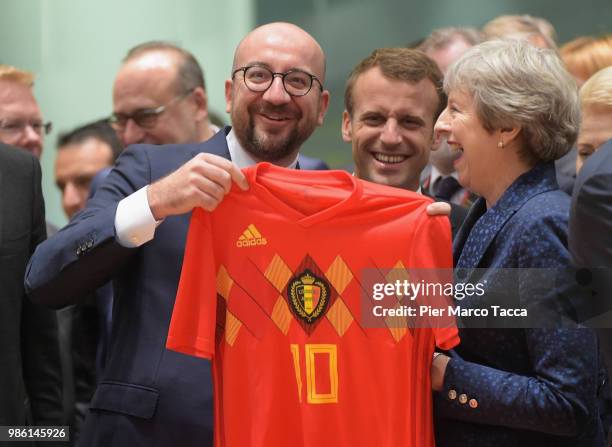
30, 377
392, 100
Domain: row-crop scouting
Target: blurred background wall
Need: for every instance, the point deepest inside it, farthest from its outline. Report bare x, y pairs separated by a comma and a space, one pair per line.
75, 46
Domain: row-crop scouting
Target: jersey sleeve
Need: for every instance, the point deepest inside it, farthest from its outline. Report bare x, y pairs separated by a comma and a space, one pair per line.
432, 255
192, 327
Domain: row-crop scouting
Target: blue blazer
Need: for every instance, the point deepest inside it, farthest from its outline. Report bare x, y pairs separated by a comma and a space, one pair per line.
312, 164
518, 387
148, 395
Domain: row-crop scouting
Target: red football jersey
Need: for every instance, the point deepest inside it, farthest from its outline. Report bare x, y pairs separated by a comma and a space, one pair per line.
271, 291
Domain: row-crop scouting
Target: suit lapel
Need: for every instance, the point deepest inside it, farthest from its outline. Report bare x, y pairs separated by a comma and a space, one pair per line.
474, 213
217, 144
457, 214
482, 226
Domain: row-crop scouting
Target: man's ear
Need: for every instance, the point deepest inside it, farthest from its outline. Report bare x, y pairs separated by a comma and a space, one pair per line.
323, 105
347, 127
229, 84
201, 102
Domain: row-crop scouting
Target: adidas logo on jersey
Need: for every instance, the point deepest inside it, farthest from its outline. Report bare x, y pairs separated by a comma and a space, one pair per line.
251, 237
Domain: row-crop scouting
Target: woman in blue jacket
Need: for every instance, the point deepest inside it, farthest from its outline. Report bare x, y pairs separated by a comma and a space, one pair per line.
512, 110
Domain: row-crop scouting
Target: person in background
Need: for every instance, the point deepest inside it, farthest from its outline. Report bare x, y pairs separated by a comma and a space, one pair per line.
30, 373
583, 57
586, 55
528, 386
590, 228
22, 126
596, 108
159, 97
81, 154
21, 122
439, 179
536, 30
446, 45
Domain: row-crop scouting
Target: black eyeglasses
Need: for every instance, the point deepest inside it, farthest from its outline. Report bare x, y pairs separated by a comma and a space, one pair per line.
13, 128
259, 79
145, 118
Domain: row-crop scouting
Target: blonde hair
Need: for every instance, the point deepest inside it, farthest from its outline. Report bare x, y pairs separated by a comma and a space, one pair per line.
12, 74
521, 27
586, 55
598, 89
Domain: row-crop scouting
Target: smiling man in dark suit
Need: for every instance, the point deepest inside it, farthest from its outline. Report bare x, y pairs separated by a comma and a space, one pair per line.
30, 380
133, 232
392, 100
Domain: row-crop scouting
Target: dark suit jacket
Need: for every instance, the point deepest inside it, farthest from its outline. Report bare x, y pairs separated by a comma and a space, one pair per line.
312, 164
590, 242
531, 387
590, 237
566, 170
457, 215
465, 199
29, 356
148, 395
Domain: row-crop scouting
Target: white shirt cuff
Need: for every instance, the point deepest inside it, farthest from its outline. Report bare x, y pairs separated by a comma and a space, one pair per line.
134, 222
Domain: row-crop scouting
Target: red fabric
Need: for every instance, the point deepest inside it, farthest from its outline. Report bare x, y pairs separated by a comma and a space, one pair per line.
325, 382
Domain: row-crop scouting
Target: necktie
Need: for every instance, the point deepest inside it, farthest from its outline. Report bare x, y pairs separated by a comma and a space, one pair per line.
446, 187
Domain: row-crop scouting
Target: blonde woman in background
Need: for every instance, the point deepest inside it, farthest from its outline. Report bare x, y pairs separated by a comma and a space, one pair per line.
596, 107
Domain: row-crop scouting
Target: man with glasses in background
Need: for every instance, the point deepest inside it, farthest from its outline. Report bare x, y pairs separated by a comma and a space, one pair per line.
159, 97
30, 375
21, 122
21, 125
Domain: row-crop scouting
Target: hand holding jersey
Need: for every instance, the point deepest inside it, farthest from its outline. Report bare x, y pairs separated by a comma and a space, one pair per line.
201, 182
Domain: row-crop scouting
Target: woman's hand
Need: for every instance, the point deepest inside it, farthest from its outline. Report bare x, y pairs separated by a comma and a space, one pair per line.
438, 369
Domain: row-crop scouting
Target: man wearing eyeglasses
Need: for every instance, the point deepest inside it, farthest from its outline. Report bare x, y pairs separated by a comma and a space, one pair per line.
133, 231
21, 123
159, 97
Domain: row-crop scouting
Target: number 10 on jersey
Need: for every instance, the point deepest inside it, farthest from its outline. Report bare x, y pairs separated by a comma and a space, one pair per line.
321, 372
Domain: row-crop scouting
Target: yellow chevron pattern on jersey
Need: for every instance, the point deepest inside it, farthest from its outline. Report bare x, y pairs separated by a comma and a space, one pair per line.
251, 237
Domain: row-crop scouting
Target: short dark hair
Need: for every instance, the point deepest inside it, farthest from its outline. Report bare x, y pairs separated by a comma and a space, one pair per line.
401, 64
189, 72
100, 130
